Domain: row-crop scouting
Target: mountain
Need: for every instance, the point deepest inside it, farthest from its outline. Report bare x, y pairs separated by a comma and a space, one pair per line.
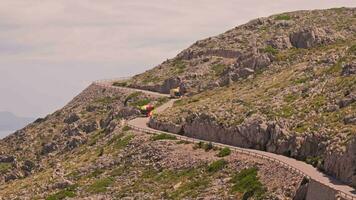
9, 121
284, 84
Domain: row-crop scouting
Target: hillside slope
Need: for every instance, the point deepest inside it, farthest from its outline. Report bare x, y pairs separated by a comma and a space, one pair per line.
284, 84
84, 151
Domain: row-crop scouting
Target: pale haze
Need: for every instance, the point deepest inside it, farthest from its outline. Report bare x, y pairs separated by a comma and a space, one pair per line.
51, 50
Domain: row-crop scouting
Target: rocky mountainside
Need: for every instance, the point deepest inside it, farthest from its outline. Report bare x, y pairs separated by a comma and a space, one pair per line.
284, 84
84, 151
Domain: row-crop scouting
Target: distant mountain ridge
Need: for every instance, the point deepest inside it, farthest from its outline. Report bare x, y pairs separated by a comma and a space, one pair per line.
9, 121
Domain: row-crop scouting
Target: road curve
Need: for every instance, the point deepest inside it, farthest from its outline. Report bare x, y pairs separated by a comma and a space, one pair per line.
300, 167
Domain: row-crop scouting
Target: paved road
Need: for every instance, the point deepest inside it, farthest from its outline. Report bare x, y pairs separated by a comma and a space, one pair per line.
306, 169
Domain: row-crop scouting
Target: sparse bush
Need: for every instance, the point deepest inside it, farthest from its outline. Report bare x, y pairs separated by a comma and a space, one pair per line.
247, 183
202, 145
120, 84
283, 17
123, 142
224, 152
217, 165
271, 50
126, 128
4, 167
63, 194
163, 136
218, 69
100, 185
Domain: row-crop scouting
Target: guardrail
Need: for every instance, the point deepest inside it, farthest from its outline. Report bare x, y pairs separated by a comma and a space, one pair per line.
246, 152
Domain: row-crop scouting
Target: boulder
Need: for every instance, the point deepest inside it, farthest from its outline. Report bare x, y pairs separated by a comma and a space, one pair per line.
88, 126
349, 69
71, 118
7, 159
49, 148
70, 131
311, 37
128, 112
28, 166
280, 42
349, 99
75, 142
350, 119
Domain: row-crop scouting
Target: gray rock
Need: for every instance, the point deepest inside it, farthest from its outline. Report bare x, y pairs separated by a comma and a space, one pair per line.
49, 148
309, 37
280, 42
7, 159
351, 98
70, 130
75, 142
88, 126
349, 69
350, 119
28, 166
128, 112
71, 118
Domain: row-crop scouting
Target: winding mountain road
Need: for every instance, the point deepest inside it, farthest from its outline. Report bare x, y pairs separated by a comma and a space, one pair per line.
341, 190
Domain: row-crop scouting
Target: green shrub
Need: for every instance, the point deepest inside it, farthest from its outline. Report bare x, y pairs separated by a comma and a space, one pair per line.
190, 189
202, 145
224, 152
247, 183
120, 84
126, 128
283, 17
217, 165
315, 161
352, 49
218, 69
100, 185
4, 167
123, 142
67, 192
163, 136
271, 50
179, 66
140, 102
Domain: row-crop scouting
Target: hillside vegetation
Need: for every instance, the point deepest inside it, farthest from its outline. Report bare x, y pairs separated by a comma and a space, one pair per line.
85, 151
284, 84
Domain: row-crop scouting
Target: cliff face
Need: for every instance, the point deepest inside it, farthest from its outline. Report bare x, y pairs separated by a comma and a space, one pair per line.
289, 88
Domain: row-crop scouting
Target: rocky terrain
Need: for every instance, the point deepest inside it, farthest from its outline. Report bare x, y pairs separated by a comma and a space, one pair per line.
85, 151
284, 84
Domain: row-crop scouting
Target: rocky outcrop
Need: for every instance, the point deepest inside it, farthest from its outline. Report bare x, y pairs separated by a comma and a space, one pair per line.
347, 100
246, 65
302, 191
341, 163
349, 69
169, 127
280, 42
71, 118
311, 37
49, 148
257, 133
7, 159
89, 126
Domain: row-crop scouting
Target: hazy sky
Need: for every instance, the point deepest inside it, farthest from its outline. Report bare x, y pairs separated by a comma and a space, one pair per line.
50, 50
